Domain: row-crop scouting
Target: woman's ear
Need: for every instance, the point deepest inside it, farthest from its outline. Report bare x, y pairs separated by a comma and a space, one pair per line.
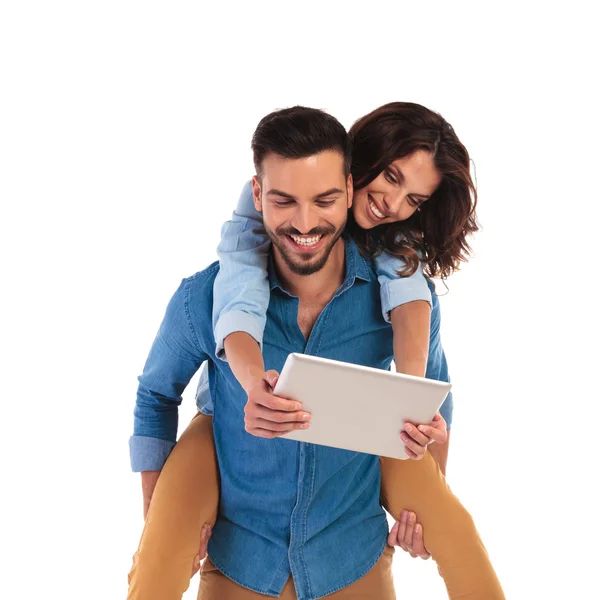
350, 188
256, 193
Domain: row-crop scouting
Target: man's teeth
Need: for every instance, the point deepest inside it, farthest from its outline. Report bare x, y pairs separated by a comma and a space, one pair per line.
306, 241
376, 212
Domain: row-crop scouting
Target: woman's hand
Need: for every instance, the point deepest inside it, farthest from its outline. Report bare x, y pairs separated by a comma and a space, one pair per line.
408, 534
417, 438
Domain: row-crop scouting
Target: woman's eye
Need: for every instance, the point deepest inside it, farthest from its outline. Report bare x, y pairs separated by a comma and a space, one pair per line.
390, 177
414, 203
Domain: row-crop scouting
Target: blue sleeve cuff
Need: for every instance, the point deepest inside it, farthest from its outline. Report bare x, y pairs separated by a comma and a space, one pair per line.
148, 453
236, 320
403, 290
447, 409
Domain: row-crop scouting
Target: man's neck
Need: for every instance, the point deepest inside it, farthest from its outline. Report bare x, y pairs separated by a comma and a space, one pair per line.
322, 283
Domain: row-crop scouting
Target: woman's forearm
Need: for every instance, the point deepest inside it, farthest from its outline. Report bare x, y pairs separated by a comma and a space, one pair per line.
245, 358
411, 323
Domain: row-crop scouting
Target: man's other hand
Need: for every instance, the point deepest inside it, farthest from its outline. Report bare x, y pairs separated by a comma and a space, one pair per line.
417, 438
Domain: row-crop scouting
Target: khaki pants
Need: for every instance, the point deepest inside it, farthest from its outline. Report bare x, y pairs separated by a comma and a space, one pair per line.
377, 584
187, 495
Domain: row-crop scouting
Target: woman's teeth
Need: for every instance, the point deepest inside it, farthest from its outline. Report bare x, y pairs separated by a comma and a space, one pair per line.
306, 241
376, 212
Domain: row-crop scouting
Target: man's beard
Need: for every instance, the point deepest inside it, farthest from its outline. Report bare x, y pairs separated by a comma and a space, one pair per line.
299, 264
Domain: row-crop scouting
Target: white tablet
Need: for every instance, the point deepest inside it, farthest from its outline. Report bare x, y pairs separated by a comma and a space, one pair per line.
357, 408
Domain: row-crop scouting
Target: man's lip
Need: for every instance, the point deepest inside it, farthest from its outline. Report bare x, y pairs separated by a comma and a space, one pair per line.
370, 199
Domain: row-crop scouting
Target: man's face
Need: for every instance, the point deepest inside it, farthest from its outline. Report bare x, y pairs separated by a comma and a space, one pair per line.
304, 203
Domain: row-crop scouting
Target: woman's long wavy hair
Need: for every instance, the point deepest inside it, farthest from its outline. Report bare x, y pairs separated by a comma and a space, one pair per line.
437, 232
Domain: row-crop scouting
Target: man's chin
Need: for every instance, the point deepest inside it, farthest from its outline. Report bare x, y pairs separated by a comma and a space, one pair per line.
305, 265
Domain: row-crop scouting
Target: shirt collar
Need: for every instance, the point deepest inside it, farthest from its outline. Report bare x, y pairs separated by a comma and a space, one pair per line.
357, 267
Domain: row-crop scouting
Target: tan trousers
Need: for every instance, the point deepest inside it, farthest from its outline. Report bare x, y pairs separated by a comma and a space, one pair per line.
377, 584
187, 495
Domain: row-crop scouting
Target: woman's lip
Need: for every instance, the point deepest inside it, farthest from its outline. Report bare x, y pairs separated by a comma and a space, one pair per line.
374, 216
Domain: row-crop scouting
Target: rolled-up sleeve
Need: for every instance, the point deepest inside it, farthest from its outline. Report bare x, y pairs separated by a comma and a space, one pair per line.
437, 365
396, 290
241, 289
174, 357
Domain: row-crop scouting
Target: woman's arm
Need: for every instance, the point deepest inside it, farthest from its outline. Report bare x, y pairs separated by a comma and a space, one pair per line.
406, 302
241, 289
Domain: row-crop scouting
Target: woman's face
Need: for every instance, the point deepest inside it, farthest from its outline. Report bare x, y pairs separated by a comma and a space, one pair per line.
398, 191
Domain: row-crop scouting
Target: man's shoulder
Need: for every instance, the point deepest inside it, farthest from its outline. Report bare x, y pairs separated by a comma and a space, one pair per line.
203, 278
198, 288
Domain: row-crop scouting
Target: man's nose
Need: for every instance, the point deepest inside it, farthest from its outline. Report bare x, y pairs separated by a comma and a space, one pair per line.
305, 219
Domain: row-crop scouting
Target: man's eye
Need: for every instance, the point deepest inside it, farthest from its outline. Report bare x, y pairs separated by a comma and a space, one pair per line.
325, 202
283, 203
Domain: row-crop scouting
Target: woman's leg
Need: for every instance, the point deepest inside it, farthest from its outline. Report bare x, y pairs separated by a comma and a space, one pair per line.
185, 498
448, 529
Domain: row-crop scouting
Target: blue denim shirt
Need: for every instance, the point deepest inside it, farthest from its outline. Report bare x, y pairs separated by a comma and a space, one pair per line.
241, 294
286, 507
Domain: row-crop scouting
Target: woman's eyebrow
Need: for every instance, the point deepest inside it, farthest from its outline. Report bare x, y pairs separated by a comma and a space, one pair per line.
400, 177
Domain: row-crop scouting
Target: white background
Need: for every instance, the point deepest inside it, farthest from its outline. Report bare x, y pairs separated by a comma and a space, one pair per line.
124, 141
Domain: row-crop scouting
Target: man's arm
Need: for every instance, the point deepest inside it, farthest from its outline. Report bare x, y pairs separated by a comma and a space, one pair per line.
174, 357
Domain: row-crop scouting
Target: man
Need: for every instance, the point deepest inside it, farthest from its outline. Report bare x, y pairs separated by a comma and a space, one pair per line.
295, 519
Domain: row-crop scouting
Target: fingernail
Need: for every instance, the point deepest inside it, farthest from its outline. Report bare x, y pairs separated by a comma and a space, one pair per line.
412, 517
403, 516
408, 427
306, 416
418, 529
422, 428
304, 425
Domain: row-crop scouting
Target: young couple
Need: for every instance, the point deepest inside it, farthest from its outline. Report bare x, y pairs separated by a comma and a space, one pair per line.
326, 254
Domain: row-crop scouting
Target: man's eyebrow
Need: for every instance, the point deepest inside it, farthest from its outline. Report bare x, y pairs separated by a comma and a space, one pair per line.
330, 192
275, 192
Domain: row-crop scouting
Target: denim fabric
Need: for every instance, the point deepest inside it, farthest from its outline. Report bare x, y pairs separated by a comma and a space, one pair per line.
286, 507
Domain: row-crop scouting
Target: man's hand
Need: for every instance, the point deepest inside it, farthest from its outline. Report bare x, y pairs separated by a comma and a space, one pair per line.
149, 479
417, 438
408, 534
204, 537
269, 416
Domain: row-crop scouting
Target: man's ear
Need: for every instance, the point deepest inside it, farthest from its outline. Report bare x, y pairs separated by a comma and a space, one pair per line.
256, 193
350, 188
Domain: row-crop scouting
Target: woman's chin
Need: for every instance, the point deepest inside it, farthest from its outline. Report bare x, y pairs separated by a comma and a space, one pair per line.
361, 219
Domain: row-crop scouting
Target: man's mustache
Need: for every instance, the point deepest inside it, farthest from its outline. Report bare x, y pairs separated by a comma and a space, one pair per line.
312, 232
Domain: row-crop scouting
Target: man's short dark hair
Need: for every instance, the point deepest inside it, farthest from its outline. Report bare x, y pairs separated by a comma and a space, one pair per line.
299, 132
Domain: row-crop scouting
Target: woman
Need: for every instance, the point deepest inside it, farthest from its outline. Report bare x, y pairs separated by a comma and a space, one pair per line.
415, 202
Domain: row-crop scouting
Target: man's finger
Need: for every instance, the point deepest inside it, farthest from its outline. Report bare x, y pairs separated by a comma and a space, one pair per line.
280, 428
418, 545
205, 536
271, 377
410, 527
436, 435
393, 536
279, 416
401, 533
410, 444
277, 403
416, 434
